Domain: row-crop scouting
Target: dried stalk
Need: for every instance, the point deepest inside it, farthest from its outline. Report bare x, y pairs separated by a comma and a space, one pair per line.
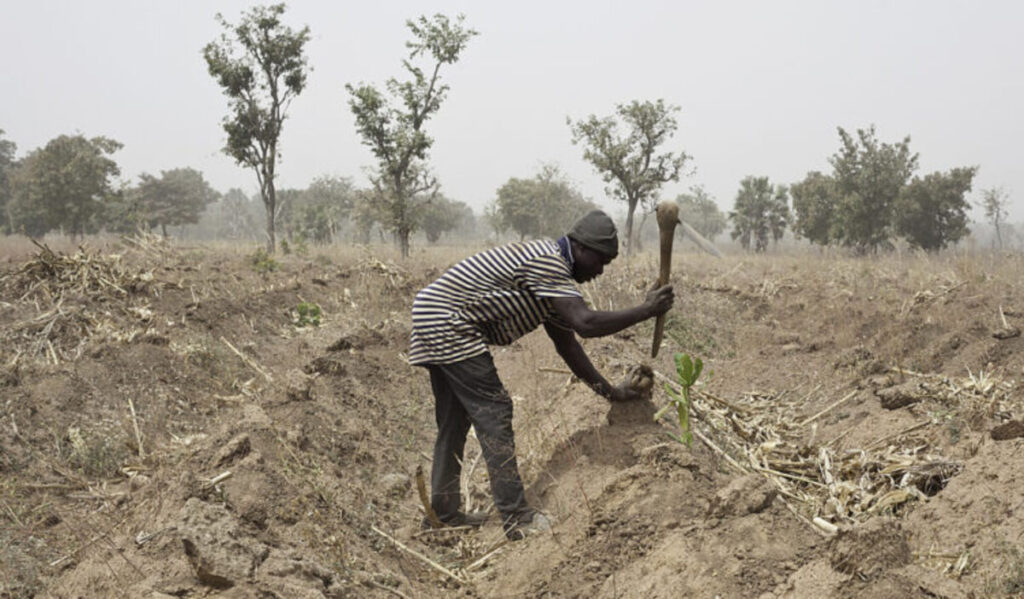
421, 487
135, 424
248, 361
421, 557
831, 407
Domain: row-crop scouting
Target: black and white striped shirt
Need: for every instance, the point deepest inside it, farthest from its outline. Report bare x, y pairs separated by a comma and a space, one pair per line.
493, 297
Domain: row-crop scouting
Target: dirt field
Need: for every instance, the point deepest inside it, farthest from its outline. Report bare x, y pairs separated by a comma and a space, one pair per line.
167, 429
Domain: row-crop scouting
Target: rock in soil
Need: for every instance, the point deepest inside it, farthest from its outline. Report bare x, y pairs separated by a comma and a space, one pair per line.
748, 494
899, 396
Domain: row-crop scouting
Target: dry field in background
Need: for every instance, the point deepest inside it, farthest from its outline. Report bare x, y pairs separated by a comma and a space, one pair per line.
170, 426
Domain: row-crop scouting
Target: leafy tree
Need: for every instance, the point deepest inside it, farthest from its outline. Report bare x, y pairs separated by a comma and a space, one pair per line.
869, 176
994, 202
63, 185
178, 197
700, 211
627, 160
324, 208
366, 212
236, 215
932, 211
814, 202
7, 149
760, 213
441, 215
261, 66
544, 206
394, 129
494, 220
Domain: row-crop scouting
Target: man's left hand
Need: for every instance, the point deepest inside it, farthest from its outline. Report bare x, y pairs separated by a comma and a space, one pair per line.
637, 385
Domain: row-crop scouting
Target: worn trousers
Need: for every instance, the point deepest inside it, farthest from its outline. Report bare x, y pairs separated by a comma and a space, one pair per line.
470, 393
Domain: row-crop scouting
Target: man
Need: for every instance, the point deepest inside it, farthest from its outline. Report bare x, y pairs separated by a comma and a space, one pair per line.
495, 297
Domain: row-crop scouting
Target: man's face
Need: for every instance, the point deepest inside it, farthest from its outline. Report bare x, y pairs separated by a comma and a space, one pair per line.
588, 263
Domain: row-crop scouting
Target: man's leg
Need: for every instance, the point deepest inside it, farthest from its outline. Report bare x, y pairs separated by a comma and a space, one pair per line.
476, 384
452, 426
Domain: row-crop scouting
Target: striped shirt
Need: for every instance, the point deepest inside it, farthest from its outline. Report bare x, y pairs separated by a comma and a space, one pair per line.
490, 298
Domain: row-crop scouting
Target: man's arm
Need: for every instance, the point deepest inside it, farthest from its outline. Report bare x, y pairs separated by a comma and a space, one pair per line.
594, 323
570, 350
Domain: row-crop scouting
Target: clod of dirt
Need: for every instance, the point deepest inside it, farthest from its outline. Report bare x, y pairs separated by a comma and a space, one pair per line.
358, 338
900, 396
329, 365
1006, 333
298, 385
220, 555
748, 494
234, 450
869, 549
1010, 430
396, 484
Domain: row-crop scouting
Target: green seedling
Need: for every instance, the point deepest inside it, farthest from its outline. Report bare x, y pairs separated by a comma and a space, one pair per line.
307, 314
262, 262
688, 371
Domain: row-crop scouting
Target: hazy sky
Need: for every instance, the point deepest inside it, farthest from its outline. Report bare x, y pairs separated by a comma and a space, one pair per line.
762, 85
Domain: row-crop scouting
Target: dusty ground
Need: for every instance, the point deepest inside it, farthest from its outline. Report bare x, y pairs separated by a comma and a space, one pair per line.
167, 429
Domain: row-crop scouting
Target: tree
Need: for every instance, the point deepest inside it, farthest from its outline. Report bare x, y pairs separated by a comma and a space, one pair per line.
238, 215
7, 149
544, 206
761, 212
63, 185
931, 212
627, 161
994, 203
394, 129
319, 212
442, 215
366, 212
494, 220
869, 176
178, 197
261, 66
700, 211
814, 202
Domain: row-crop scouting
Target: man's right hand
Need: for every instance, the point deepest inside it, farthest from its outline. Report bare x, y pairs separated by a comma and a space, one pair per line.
659, 300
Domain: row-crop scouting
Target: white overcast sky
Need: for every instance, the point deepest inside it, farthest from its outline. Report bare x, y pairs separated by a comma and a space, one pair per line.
762, 85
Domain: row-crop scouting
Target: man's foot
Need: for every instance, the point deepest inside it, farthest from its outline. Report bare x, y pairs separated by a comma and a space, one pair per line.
473, 519
519, 530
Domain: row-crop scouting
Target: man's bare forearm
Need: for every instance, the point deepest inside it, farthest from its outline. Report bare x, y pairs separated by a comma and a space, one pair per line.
599, 324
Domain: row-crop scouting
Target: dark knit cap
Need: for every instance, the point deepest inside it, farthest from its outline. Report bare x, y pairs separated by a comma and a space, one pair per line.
596, 231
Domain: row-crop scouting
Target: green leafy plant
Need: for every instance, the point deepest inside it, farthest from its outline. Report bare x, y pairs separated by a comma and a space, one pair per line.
688, 371
307, 314
262, 262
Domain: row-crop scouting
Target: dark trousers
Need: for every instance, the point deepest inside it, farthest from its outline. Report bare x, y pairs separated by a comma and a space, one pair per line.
470, 392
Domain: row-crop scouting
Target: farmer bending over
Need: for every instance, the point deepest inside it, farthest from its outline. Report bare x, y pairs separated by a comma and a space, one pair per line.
495, 297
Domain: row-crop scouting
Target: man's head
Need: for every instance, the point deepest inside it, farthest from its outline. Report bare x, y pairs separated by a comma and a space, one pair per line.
595, 244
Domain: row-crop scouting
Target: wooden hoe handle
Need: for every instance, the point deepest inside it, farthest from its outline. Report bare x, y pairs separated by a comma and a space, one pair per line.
668, 218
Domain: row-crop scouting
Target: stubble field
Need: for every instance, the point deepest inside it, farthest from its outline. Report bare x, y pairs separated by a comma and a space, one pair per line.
172, 426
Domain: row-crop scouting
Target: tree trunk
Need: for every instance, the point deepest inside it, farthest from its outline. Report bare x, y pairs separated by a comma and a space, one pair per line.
403, 241
270, 202
629, 226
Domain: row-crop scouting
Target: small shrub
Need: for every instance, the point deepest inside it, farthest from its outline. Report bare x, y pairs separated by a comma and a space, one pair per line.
262, 262
307, 314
